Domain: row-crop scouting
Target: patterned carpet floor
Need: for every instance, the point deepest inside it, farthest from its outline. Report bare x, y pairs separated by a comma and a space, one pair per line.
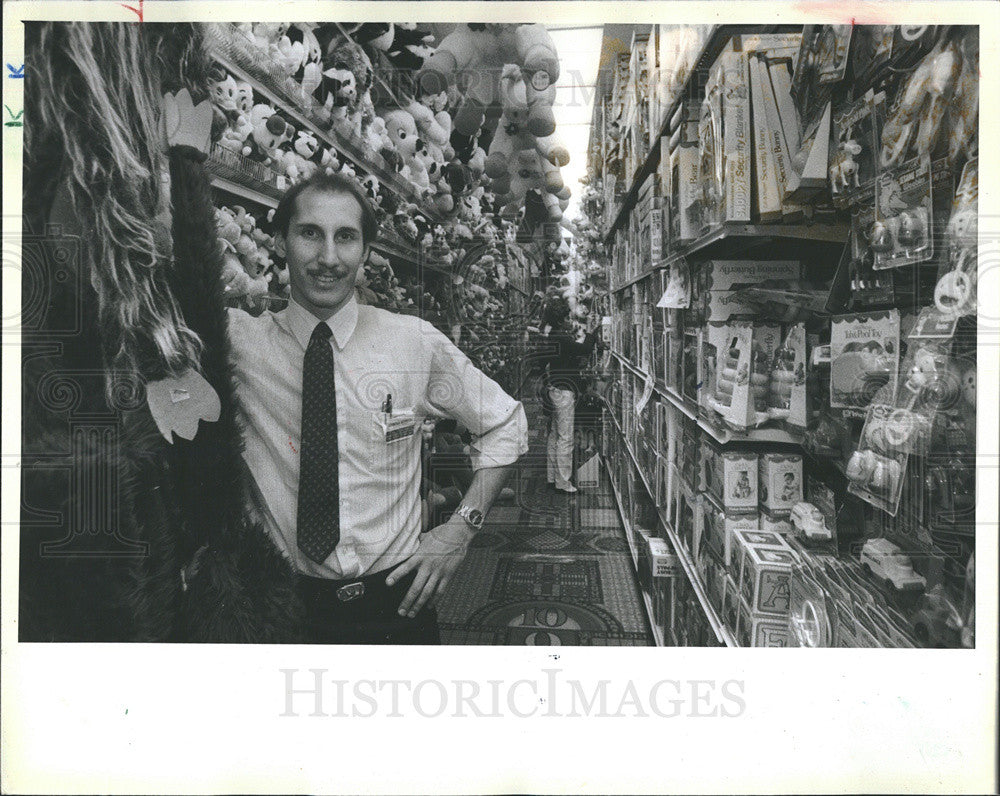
547, 568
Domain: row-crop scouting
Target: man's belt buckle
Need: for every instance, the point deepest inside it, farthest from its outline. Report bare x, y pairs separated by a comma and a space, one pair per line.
350, 592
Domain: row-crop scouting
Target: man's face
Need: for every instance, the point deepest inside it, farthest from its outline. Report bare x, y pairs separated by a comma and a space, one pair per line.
324, 250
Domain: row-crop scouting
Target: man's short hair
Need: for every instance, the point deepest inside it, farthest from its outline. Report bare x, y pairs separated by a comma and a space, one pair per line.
327, 183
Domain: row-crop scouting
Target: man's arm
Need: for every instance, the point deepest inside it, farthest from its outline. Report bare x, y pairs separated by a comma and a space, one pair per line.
499, 428
444, 547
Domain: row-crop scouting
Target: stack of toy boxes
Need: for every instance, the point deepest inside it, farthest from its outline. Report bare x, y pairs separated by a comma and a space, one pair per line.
718, 282
758, 592
780, 489
637, 102
728, 479
655, 94
726, 143
649, 212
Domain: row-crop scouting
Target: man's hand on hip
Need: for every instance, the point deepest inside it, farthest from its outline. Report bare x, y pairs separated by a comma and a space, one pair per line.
441, 551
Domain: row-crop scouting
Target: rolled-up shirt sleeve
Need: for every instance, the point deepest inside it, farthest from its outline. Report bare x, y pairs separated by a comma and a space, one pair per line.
459, 390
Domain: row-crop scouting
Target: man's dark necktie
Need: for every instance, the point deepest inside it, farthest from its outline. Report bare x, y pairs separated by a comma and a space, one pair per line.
319, 488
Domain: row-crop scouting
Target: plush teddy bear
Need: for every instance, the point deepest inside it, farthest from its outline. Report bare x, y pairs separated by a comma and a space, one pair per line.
226, 225
267, 35
482, 50
513, 133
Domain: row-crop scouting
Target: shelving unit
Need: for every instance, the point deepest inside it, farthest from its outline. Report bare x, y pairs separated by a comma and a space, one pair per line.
718, 433
653, 626
731, 239
716, 42
720, 630
737, 127
236, 56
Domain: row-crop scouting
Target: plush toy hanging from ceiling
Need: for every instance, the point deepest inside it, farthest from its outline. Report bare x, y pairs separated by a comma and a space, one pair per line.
513, 134
125, 373
474, 55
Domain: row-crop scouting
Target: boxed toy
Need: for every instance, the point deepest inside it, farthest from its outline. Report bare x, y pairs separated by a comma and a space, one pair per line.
733, 274
789, 394
767, 193
777, 44
779, 522
730, 475
685, 189
725, 134
742, 377
718, 527
757, 630
864, 356
762, 563
780, 481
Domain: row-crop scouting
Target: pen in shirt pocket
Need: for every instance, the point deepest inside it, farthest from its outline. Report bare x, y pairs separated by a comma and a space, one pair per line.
387, 404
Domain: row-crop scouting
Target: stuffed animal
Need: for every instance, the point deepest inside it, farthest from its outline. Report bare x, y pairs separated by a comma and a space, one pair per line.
482, 50
267, 35
226, 226
430, 124
512, 133
301, 49
270, 131
347, 80
402, 130
410, 46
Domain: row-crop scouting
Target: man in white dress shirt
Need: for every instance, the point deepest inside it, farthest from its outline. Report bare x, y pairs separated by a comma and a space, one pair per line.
366, 573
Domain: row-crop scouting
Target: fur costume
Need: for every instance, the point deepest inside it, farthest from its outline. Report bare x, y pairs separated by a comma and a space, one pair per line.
161, 546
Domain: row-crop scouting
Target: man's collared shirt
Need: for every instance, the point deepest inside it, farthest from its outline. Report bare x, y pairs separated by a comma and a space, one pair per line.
376, 353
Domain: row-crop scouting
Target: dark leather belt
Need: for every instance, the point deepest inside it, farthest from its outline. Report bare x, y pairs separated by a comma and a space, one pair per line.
350, 590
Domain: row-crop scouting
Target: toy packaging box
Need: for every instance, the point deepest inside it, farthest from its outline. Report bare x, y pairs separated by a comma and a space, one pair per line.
730, 274
763, 563
683, 210
742, 374
788, 394
719, 526
731, 476
864, 356
779, 522
780, 481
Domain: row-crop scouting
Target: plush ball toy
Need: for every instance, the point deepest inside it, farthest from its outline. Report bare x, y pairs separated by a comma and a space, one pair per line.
480, 51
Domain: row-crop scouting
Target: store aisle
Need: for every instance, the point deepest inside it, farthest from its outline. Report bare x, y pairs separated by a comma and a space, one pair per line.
547, 568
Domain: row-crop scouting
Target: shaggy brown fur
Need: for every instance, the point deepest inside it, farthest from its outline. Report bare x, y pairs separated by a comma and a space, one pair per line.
173, 499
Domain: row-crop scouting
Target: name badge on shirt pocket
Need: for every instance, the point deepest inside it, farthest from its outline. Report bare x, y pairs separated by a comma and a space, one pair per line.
398, 426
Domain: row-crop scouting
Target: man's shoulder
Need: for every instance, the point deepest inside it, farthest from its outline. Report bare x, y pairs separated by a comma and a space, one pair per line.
247, 329
397, 323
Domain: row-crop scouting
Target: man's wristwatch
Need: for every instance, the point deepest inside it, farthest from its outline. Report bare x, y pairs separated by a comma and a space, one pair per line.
474, 517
